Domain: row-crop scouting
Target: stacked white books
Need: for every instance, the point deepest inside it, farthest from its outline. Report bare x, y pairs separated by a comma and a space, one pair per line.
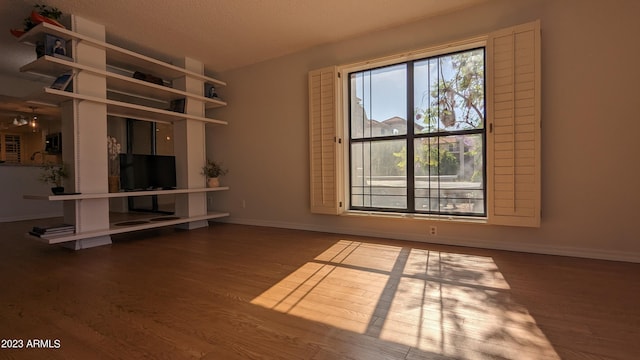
49, 232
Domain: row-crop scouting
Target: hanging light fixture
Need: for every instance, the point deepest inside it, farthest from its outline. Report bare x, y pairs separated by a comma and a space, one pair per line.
20, 121
33, 123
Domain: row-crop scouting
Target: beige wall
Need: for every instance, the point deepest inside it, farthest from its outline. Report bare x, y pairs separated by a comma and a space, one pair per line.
590, 132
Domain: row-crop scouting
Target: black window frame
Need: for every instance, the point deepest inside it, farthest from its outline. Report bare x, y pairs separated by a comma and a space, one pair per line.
410, 137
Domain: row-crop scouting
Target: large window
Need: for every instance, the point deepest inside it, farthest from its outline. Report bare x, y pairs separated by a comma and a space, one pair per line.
417, 135
451, 131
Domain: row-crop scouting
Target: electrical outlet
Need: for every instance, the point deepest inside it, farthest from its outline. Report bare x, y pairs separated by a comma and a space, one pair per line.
244, 204
433, 230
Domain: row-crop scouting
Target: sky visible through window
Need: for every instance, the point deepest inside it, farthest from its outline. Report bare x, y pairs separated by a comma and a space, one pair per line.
383, 91
386, 90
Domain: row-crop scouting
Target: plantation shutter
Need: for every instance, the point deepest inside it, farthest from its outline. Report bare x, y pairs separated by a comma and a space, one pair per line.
513, 140
325, 144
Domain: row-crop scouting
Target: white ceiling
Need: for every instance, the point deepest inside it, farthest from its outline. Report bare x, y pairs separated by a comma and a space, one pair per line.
227, 34
224, 34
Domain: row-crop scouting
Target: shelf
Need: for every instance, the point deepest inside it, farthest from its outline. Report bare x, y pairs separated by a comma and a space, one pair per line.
117, 56
122, 194
52, 66
115, 89
123, 109
49, 66
116, 229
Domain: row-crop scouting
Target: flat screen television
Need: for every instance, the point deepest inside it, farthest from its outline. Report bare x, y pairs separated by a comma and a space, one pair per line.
147, 172
53, 144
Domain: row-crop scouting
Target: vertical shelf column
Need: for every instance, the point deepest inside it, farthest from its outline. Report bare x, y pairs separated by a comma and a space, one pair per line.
189, 149
84, 127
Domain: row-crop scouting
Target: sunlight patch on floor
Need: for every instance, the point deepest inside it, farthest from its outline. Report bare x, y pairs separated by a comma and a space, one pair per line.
452, 304
326, 294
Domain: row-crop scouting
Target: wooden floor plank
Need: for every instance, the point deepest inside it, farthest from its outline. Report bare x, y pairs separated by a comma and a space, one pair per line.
243, 292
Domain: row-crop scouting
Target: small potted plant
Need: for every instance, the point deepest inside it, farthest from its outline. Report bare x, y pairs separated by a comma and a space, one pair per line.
54, 174
213, 170
40, 13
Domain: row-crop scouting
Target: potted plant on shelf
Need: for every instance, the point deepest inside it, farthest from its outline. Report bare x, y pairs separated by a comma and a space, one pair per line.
213, 170
54, 174
40, 13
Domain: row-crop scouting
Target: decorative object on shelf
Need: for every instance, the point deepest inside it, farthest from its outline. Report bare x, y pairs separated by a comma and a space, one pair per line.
17, 32
210, 92
40, 49
114, 149
54, 45
40, 13
177, 105
213, 182
148, 78
213, 170
45, 14
54, 174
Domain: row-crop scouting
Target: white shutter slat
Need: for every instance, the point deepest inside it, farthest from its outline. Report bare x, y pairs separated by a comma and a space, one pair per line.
513, 147
323, 132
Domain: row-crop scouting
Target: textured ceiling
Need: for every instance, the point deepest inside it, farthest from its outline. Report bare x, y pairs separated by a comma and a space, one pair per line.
226, 34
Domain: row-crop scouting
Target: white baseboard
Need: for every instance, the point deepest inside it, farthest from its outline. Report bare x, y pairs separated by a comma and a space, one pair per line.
494, 245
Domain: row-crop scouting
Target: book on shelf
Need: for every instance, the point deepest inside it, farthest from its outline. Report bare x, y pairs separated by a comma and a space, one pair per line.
53, 229
51, 236
63, 81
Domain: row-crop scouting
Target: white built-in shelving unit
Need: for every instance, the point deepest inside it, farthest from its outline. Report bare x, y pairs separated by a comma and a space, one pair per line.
99, 68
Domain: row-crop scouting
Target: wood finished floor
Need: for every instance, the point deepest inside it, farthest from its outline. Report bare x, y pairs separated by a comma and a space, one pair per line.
242, 292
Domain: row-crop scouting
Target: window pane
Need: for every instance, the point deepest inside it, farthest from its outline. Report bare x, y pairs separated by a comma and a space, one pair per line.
449, 92
378, 174
378, 102
449, 174
12, 149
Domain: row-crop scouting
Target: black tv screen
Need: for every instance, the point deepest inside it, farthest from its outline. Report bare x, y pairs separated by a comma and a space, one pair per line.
53, 144
147, 172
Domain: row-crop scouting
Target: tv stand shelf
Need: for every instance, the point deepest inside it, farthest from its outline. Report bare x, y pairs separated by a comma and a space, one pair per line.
141, 224
121, 194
